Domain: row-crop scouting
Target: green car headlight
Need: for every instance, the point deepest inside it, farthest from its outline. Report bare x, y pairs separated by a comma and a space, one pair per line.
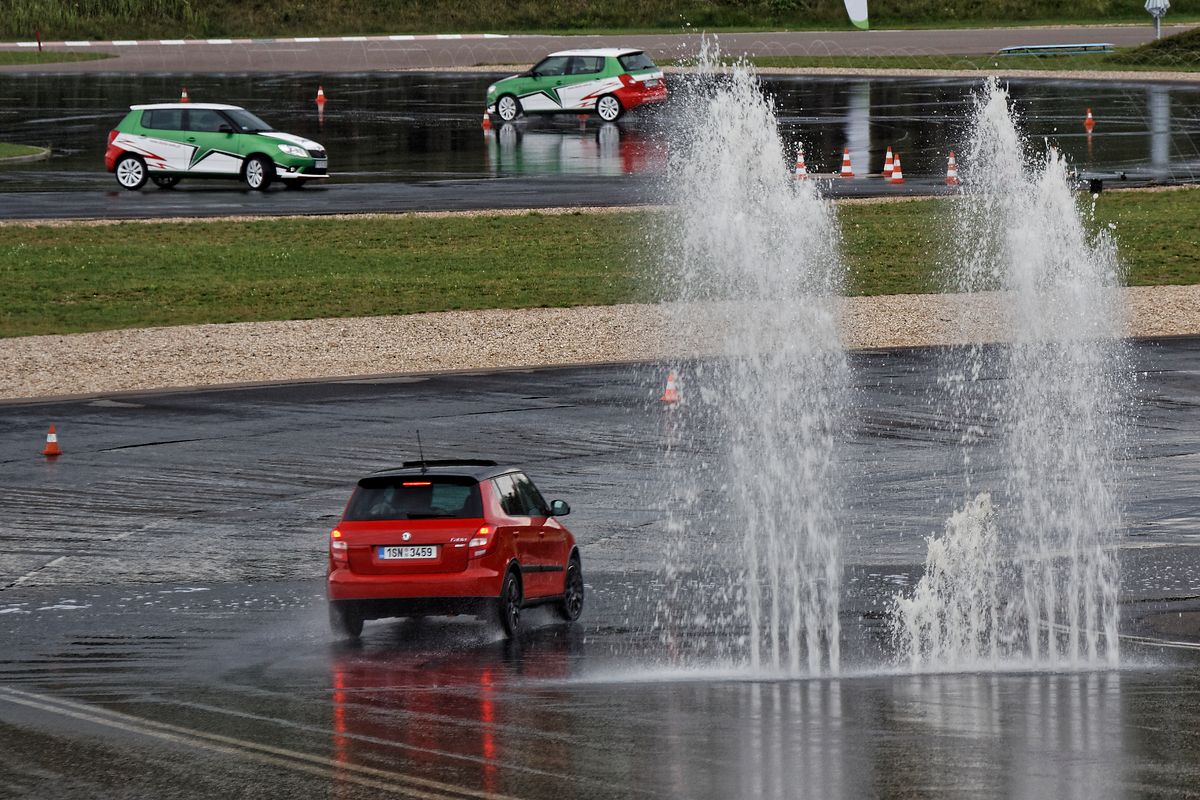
293, 150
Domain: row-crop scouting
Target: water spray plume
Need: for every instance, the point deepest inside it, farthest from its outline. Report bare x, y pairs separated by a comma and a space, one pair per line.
1032, 580
768, 410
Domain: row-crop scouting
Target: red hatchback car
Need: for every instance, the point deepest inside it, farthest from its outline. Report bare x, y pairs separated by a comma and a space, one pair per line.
450, 537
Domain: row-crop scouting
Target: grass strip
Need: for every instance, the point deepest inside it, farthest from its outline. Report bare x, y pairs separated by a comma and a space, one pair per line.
74, 278
137, 19
15, 150
11, 58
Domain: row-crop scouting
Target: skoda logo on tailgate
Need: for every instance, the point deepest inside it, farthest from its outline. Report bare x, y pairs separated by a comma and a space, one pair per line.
404, 537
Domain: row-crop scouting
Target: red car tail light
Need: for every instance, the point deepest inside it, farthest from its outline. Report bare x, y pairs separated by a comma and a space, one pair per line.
482, 540
113, 135
338, 549
626, 79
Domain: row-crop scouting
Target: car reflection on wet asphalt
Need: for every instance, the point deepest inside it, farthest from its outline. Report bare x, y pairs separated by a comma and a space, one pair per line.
164, 626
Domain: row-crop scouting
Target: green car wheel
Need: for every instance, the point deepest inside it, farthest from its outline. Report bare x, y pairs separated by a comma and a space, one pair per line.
258, 173
609, 108
131, 172
507, 108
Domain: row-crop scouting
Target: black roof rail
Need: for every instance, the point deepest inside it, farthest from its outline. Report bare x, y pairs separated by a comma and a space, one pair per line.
452, 462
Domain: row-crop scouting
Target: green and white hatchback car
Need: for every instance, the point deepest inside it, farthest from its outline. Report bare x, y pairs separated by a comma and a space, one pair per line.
607, 81
169, 141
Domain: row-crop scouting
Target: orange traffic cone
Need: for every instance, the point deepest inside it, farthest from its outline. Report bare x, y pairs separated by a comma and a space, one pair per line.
487, 121
320, 95
1088, 122
52, 449
952, 171
801, 170
671, 395
183, 98
897, 172
847, 170
888, 164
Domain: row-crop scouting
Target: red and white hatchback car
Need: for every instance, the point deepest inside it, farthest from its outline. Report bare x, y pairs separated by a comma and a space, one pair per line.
450, 537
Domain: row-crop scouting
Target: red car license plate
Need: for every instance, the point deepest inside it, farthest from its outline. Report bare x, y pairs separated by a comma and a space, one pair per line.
408, 552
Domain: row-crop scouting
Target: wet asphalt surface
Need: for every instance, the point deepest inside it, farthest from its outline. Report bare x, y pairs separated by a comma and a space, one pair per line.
411, 142
164, 629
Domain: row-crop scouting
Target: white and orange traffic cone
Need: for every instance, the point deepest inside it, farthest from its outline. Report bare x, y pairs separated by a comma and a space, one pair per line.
52, 449
671, 394
847, 169
487, 121
952, 171
897, 171
183, 98
888, 164
320, 95
1088, 122
801, 170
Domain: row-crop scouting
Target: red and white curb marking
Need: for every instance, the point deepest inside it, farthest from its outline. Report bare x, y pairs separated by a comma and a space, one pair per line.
401, 37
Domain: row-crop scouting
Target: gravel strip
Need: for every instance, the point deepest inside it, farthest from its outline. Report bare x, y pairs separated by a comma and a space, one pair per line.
207, 355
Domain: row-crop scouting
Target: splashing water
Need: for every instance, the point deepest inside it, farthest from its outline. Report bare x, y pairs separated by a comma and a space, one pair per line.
1034, 579
754, 257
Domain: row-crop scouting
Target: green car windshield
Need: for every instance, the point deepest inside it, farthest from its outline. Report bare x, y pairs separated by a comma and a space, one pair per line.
247, 121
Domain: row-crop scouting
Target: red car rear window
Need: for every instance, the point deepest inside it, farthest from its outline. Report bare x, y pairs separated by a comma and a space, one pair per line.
415, 497
632, 62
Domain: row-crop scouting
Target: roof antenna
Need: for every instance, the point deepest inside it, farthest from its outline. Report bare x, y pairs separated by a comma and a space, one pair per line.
421, 451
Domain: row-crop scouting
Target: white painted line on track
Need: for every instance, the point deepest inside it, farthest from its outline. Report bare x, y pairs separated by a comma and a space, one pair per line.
402, 37
124, 43
1165, 643
27, 44
303, 39
444, 36
354, 38
53, 563
332, 769
171, 41
219, 41
77, 44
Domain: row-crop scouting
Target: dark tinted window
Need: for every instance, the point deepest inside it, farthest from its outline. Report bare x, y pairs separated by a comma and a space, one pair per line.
163, 119
205, 120
586, 65
554, 65
415, 497
510, 498
531, 498
635, 61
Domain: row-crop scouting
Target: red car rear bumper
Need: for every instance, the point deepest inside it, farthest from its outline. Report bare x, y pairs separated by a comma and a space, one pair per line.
636, 93
474, 582
110, 157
